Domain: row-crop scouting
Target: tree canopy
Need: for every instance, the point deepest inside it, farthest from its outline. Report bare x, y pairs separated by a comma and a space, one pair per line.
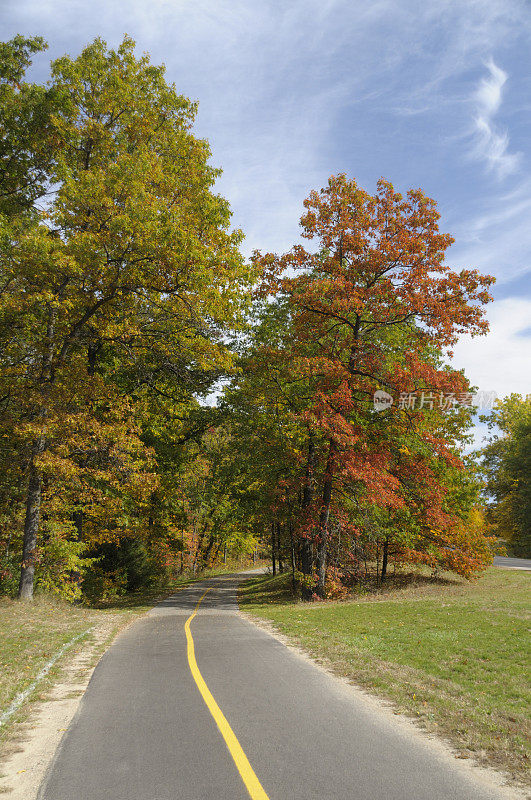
125, 300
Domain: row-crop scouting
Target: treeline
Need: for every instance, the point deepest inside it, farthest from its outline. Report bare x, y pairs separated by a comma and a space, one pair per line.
125, 301
505, 463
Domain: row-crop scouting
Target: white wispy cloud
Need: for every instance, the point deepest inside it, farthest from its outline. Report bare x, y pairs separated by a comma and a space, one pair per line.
499, 361
492, 143
497, 238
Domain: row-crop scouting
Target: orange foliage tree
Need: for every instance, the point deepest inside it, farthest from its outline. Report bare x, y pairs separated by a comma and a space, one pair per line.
375, 307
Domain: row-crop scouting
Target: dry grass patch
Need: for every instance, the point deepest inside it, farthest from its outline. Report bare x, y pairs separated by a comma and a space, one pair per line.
31, 634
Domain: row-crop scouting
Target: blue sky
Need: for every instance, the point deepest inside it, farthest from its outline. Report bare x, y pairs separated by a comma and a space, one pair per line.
431, 93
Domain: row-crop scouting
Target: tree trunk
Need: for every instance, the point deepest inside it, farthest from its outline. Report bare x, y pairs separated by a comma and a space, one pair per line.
198, 547
292, 547
77, 519
323, 521
307, 497
384, 560
273, 549
208, 551
279, 548
92, 357
33, 498
31, 527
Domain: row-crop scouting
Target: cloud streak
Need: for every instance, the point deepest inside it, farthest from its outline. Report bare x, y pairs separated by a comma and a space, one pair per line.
497, 239
492, 144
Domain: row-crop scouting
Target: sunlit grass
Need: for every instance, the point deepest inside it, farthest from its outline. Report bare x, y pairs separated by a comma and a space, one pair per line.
455, 654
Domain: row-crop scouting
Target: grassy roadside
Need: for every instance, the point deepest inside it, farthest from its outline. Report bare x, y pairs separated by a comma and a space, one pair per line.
453, 654
32, 633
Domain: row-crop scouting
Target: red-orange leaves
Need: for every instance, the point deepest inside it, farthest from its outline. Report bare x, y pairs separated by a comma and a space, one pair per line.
374, 306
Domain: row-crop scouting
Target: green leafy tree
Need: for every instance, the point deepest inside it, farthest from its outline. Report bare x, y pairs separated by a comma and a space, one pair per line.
506, 465
129, 279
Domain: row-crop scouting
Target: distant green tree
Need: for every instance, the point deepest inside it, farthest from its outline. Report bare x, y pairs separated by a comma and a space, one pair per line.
506, 464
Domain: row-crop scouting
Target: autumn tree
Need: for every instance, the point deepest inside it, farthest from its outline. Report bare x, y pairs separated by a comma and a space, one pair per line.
373, 306
26, 152
127, 281
265, 406
123, 297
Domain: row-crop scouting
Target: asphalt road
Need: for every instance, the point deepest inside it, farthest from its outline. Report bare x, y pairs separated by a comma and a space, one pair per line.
144, 730
512, 563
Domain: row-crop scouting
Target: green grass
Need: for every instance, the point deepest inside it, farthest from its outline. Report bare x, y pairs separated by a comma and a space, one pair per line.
451, 653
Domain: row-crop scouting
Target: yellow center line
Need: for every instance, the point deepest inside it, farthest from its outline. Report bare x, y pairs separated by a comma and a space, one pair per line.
254, 787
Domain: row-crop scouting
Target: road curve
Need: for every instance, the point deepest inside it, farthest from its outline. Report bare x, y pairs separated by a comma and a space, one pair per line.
145, 731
